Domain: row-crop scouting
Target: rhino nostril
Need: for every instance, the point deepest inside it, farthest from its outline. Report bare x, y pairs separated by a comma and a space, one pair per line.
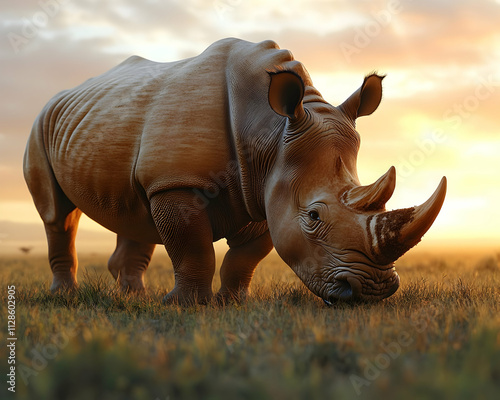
346, 288
343, 291
356, 287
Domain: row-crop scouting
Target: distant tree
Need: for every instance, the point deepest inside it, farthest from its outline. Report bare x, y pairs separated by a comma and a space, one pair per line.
25, 250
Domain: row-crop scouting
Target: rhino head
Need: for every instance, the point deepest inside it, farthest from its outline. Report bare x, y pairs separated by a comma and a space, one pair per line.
334, 233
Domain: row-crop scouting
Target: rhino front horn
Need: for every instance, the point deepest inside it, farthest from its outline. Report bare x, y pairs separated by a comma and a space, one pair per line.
393, 233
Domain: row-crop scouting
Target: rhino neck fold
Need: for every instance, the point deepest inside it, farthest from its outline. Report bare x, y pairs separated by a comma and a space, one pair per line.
256, 152
258, 144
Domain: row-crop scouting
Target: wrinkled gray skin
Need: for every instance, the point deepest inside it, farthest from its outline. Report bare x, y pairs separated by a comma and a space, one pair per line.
233, 143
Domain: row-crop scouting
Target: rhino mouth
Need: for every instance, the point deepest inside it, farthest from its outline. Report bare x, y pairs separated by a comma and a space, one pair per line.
354, 288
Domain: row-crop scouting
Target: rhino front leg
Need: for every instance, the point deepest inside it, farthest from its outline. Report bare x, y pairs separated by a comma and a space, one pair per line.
239, 265
129, 262
186, 232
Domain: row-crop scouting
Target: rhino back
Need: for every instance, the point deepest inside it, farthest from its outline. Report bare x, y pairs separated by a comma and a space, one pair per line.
93, 136
145, 127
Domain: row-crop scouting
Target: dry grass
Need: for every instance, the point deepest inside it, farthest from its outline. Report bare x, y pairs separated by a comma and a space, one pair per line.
437, 337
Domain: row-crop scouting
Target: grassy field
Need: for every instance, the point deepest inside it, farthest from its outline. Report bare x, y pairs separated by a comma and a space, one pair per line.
437, 337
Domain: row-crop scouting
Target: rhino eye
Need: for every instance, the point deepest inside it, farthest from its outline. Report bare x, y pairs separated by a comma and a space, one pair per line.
314, 215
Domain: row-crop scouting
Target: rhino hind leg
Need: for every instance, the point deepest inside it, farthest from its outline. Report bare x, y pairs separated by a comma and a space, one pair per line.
129, 262
58, 213
62, 252
186, 232
239, 265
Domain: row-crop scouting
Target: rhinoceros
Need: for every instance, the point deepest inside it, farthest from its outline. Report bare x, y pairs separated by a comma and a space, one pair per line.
234, 143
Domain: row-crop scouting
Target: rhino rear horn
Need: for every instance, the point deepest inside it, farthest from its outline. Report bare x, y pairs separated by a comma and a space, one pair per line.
393, 233
372, 197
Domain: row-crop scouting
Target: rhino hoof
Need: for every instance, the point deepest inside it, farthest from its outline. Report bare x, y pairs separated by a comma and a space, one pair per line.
186, 300
229, 297
60, 286
134, 286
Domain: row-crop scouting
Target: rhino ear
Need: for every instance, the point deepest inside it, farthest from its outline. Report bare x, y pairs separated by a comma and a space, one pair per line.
286, 92
366, 99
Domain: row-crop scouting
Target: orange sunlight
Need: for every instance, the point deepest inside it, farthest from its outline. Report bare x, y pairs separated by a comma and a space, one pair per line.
438, 117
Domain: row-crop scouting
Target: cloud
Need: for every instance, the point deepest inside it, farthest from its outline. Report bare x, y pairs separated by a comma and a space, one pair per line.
424, 34
436, 54
32, 77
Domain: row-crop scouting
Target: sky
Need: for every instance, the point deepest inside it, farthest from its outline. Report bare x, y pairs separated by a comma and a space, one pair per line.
439, 116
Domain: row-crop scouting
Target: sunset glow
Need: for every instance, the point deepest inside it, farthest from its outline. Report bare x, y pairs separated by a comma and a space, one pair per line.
440, 113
